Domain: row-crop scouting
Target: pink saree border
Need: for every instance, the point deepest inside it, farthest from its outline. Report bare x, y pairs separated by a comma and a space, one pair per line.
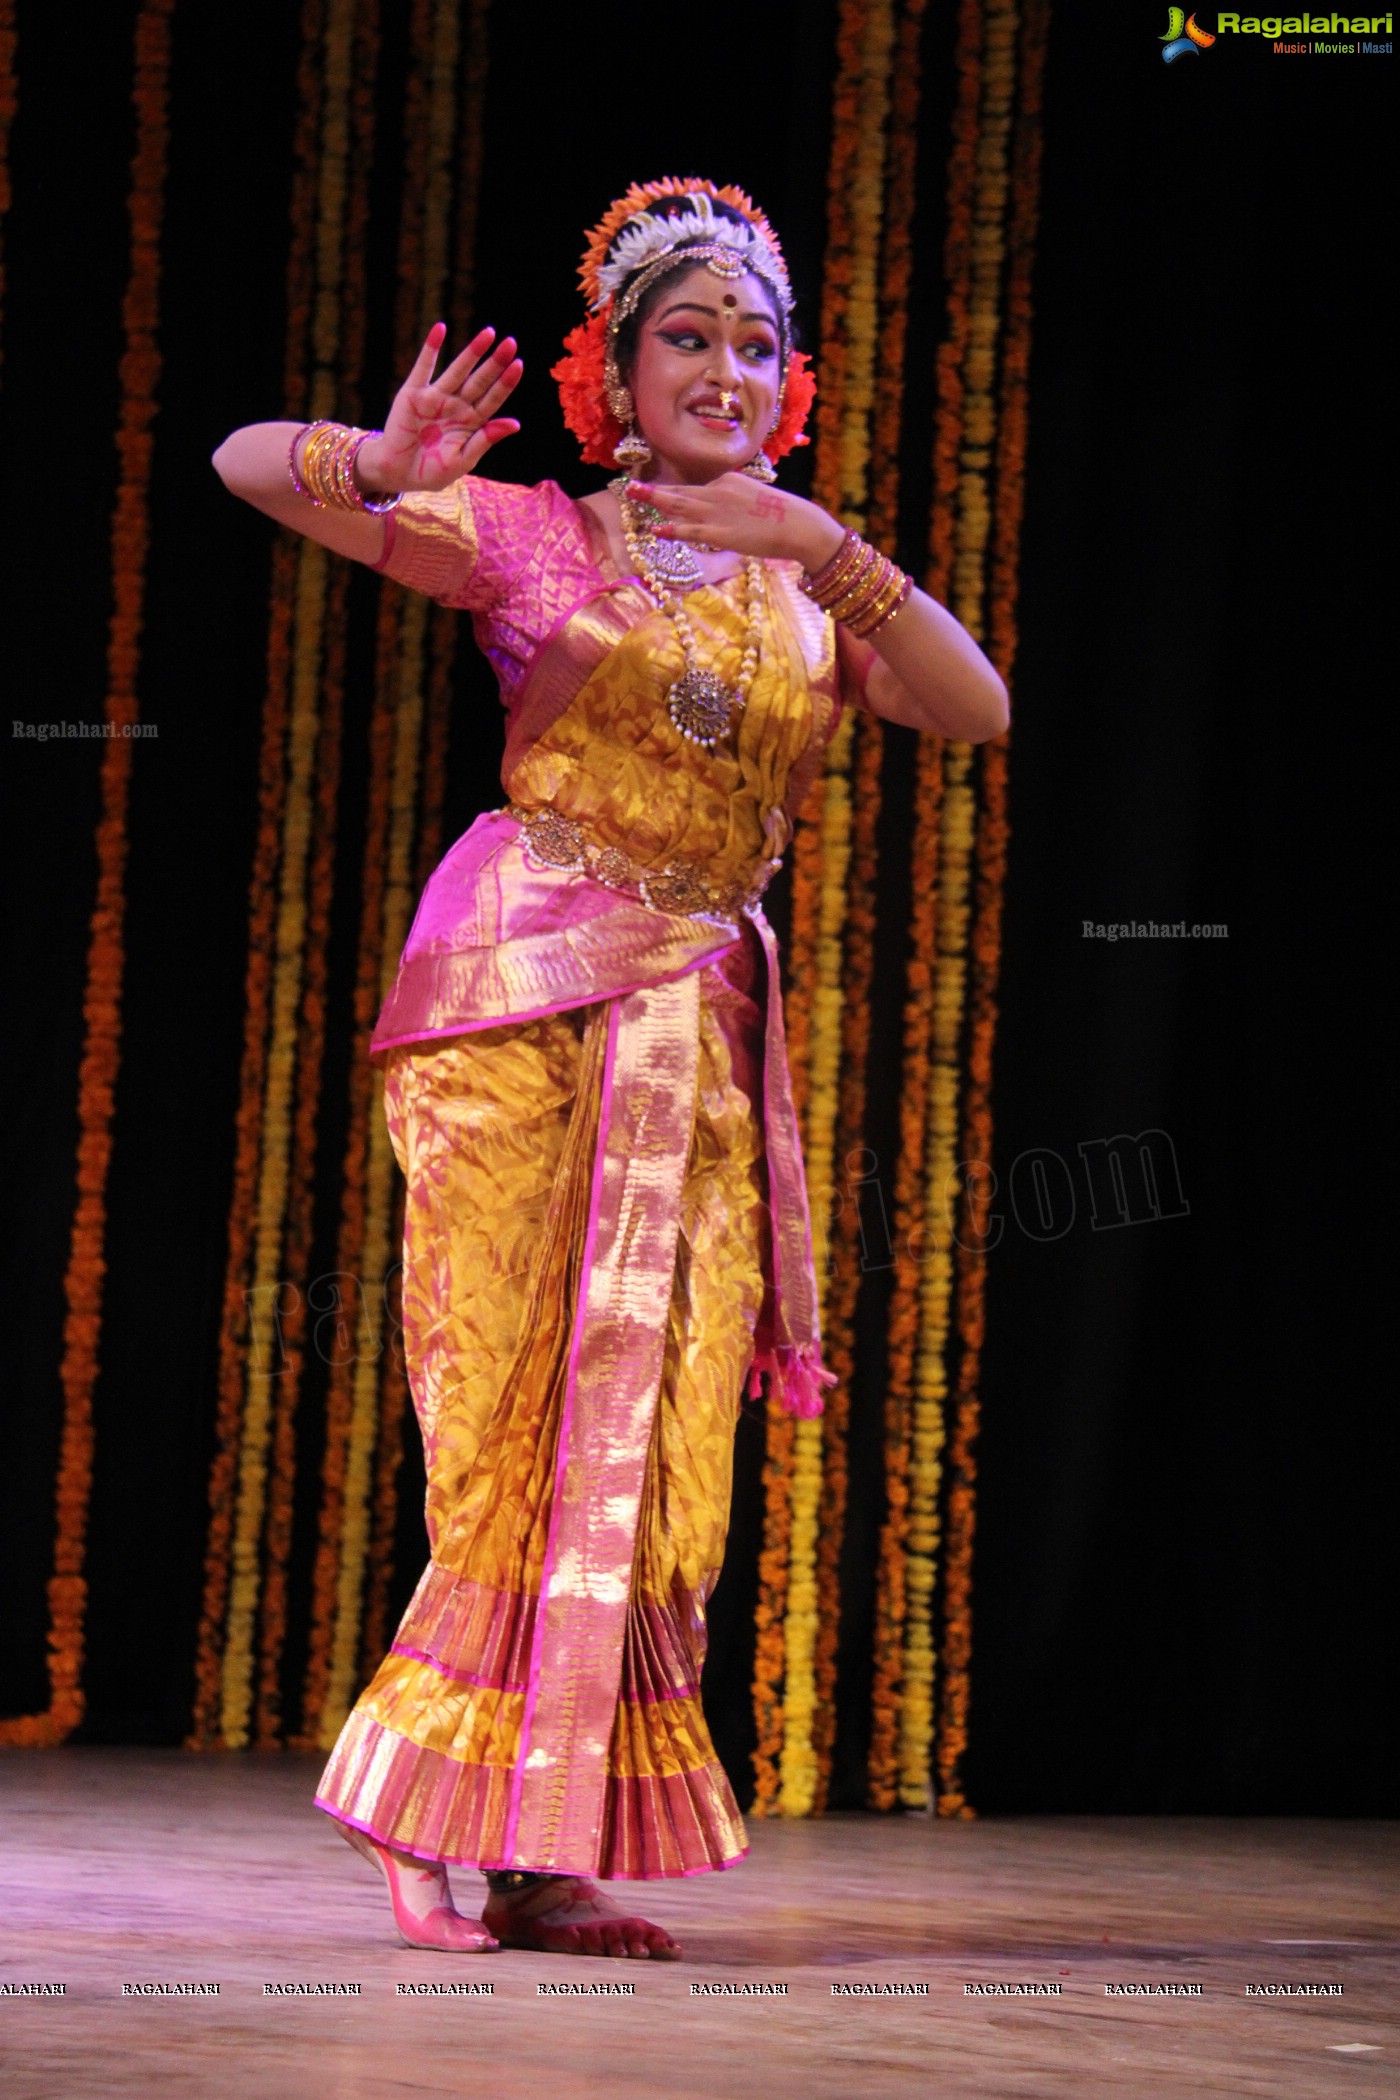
595, 1207
436, 1807
582, 994
561, 1788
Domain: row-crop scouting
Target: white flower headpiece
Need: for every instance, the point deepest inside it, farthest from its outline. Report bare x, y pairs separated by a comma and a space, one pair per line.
649, 236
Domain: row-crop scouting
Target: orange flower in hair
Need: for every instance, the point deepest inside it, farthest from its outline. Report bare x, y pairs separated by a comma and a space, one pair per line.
582, 392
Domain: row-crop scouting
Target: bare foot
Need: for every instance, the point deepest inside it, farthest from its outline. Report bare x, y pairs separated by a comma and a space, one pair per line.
568, 1915
422, 1900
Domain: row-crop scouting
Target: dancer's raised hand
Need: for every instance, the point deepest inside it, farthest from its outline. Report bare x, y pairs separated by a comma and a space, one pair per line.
441, 428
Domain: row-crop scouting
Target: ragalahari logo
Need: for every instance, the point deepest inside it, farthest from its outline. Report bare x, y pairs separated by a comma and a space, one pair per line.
1183, 35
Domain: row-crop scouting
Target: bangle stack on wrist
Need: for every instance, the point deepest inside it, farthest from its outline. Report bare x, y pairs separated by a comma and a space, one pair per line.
327, 476
859, 586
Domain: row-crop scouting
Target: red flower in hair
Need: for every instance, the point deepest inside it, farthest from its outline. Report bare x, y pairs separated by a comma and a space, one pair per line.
798, 395
582, 392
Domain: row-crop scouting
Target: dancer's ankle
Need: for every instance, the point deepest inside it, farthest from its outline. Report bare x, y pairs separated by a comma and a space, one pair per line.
513, 1881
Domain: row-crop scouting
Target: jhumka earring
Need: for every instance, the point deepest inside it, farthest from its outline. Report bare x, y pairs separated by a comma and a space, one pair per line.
631, 450
761, 466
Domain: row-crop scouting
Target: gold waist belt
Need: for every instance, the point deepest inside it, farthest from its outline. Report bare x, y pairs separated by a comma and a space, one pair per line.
553, 840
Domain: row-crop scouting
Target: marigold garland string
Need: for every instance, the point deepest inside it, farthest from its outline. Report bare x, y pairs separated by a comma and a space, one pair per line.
363, 1091
967, 598
311, 1026
862, 910
270, 1194
906, 1299
992, 834
798, 1760
362, 1085
102, 1000
443, 627
927, 1427
856, 208
262, 903
233, 1329
353, 1542
423, 286
773, 1608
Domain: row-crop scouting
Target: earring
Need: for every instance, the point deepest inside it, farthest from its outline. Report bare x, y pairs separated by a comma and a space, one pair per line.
761, 466
632, 450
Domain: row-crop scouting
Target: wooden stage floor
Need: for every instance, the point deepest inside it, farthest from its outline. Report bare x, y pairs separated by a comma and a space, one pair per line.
138, 1868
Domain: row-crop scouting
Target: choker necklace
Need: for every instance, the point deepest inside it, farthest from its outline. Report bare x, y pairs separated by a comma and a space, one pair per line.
701, 705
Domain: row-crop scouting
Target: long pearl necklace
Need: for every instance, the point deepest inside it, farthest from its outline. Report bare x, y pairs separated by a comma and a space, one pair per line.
701, 705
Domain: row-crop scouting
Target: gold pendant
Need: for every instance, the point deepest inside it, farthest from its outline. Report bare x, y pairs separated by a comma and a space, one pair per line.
671, 562
701, 706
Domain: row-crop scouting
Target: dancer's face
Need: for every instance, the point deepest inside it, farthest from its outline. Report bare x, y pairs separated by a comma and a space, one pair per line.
705, 375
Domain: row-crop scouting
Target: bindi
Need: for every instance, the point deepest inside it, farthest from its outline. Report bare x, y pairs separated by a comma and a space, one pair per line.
730, 300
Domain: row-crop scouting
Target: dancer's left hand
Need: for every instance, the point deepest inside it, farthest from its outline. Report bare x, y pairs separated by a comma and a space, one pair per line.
736, 512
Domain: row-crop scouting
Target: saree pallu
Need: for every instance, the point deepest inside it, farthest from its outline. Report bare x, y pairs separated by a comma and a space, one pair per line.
606, 1222
583, 1459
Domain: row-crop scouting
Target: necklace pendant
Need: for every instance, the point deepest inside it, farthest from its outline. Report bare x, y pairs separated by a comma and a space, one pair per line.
701, 706
672, 562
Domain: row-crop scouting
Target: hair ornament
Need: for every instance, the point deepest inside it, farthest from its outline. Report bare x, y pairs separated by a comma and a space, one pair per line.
650, 236
640, 199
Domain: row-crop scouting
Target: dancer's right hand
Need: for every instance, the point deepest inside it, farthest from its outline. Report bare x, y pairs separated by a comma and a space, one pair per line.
439, 429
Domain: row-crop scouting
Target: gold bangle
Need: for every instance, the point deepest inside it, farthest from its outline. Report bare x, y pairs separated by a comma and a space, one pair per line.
327, 476
311, 438
316, 458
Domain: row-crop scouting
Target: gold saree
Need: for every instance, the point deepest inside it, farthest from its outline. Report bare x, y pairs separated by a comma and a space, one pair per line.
600, 1167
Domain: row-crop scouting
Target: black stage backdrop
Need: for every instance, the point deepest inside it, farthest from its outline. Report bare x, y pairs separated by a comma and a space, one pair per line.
1179, 1594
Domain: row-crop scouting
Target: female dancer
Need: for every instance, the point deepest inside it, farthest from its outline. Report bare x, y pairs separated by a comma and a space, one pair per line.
606, 1227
